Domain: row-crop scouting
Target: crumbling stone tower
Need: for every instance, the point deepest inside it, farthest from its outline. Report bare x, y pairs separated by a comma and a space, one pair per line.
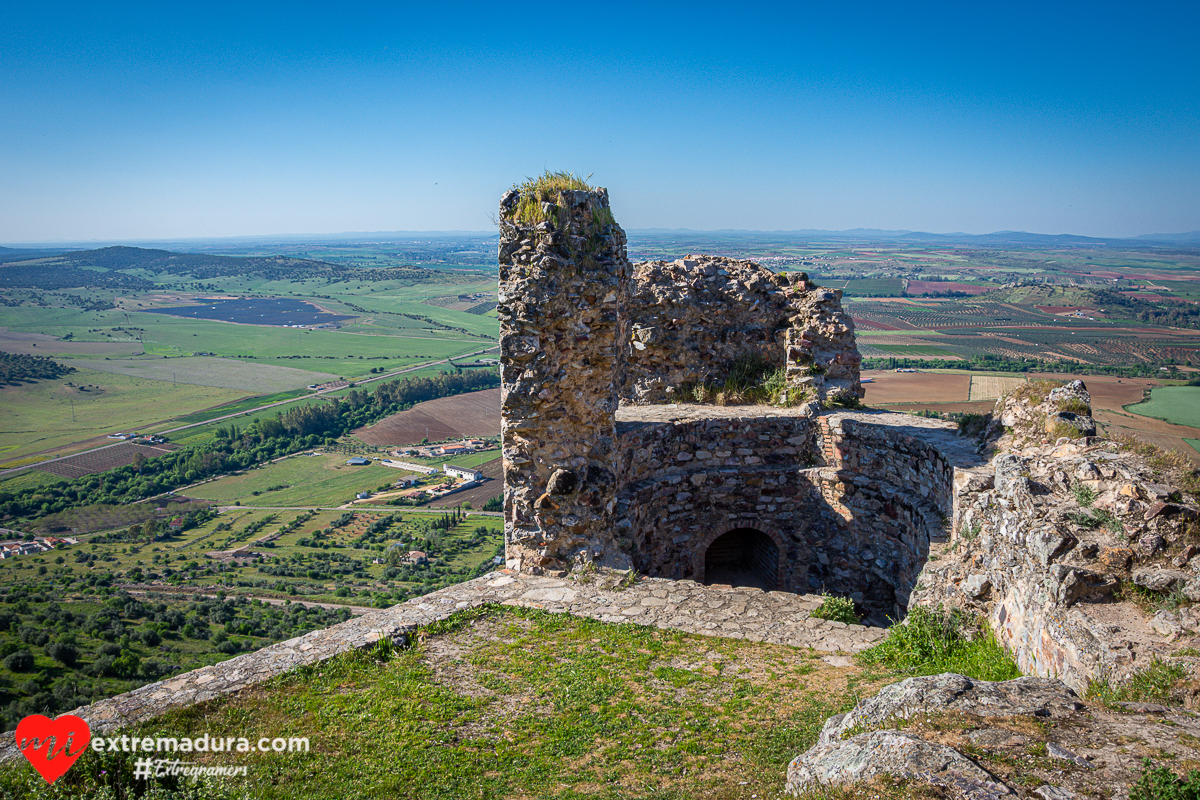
564, 284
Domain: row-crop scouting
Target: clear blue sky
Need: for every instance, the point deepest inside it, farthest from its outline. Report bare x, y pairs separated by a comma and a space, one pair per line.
126, 121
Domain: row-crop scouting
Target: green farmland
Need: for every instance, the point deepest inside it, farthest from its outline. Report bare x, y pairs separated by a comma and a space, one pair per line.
1177, 404
87, 404
324, 480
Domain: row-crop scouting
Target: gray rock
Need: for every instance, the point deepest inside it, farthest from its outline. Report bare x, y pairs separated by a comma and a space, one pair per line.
1160, 580
1049, 792
1038, 697
976, 586
1191, 589
1166, 624
1150, 544
1060, 752
1048, 544
870, 755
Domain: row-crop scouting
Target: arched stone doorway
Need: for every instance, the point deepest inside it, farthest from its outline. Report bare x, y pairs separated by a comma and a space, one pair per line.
743, 557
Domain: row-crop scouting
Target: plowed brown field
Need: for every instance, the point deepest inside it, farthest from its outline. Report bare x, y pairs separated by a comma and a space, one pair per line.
915, 387
471, 414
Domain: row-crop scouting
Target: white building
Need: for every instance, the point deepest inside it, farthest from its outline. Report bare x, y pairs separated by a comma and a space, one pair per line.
465, 474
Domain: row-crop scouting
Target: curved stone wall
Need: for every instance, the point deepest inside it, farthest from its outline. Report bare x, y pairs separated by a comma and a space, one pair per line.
861, 526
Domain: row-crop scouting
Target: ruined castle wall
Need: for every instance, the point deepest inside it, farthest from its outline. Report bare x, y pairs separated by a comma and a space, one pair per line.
564, 282
882, 542
859, 528
675, 439
693, 318
904, 452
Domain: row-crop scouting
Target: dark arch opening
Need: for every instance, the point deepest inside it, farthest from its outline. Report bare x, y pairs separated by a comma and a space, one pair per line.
742, 557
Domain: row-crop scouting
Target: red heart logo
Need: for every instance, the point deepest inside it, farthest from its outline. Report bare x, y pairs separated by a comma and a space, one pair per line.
47, 742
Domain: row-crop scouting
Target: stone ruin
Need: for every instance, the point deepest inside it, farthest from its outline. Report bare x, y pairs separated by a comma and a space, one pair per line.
606, 464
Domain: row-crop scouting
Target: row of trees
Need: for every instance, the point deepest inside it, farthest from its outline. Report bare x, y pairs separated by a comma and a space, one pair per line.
994, 363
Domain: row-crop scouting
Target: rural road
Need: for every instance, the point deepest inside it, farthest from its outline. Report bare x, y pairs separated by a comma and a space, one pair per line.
370, 379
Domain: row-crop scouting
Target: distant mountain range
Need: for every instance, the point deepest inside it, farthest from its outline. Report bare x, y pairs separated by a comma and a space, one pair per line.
998, 238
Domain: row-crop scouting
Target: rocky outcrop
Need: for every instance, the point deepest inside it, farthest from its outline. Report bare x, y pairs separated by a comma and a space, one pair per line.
1052, 536
1044, 698
985, 739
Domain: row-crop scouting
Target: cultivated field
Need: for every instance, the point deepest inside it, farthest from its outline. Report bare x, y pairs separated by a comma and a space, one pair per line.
39, 344
224, 373
1176, 404
102, 460
473, 414
915, 387
991, 387
1111, 397
324, 480
52, 414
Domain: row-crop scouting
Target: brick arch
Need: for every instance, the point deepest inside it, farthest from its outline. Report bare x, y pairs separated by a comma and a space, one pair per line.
723, 528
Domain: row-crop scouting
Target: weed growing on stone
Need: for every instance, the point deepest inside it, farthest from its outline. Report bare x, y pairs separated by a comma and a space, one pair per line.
1160, 682
837, 609
1035, 392
546, 188
1084, 495
973, 425
751, 379
1075, 405
1097, 518
931, 641
1061, 430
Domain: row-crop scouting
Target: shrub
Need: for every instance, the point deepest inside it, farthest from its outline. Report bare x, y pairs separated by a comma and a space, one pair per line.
931, 641
1159, 783
20, 661
1084, 495
65, 654
973, 424
837, 609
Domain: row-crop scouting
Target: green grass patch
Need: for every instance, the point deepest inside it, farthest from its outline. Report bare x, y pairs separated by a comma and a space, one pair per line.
932, 641
51, 414
1160, 682
324, 480
1177, 404
516, 703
